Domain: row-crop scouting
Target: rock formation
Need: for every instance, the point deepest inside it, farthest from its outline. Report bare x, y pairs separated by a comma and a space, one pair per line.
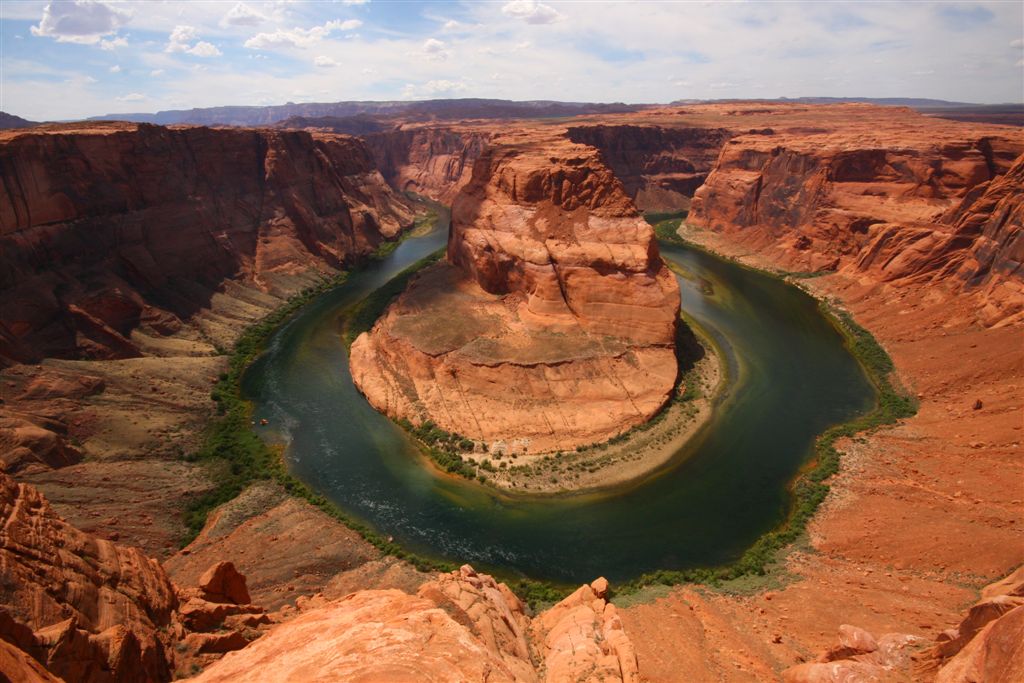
660, 167
463, 626
986, 647
431, 160
898, 196
90, 610
95, 607
109, 228
551, 324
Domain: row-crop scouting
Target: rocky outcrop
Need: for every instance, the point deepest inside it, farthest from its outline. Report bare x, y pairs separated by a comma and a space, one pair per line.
904, 198
463, 626
988, 643
660, 167
110, 228
978, 244
552, 323
95, 607
987, 646
89, 610
431, 160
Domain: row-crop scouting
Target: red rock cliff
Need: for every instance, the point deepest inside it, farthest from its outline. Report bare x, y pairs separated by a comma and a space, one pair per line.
108, 227
431, 160
894, 196
659, 166
553, 322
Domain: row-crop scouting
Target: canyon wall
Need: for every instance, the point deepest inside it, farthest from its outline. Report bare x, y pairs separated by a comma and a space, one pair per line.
552, 322
109, 228
660, 167
431, 160
899, 198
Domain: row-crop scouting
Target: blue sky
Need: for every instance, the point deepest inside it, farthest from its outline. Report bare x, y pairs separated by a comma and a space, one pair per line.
76, 58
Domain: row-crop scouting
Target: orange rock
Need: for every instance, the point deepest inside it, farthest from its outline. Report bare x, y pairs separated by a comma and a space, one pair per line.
18, 667
552, 324
462, 626
431, 160
994, 655
95, 606
223, 583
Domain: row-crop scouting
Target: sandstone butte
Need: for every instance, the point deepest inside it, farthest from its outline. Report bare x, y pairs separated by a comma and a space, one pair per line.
911, 223
552, 322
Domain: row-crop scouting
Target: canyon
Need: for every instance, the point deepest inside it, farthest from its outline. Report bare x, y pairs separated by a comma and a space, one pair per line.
115, 301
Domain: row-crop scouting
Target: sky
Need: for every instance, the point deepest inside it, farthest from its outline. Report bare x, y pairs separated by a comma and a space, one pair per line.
77, 58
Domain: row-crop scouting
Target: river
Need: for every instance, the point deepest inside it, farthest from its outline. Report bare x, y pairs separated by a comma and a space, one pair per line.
790, 377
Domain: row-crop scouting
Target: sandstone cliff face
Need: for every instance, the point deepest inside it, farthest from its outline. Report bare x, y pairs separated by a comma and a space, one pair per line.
976, 245
551, 325
463, 626
900, 202
89, 610
108, 228
94, 606
433, 161
660, 167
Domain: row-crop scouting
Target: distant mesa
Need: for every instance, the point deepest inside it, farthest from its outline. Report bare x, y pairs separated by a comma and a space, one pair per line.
12, 121
424, 110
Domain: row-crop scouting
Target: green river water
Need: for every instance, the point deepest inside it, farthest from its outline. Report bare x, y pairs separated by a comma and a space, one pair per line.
789, 378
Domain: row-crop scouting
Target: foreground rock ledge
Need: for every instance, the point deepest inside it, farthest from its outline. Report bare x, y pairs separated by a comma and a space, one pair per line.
551, 324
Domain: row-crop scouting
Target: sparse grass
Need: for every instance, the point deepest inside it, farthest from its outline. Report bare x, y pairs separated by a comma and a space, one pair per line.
361, 317
666, 225
809, 488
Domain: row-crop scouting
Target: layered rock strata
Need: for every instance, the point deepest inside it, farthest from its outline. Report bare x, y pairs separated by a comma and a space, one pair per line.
552, 322
660, 167
431, 160
900, 197
91, 611
110, 228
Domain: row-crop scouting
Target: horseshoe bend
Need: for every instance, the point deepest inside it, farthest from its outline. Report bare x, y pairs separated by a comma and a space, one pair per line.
510, 390
551, 324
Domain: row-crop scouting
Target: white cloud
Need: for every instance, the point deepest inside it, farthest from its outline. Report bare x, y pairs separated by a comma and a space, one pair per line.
452, 25
433, 46
242, 15
180, 38
156, 73
325, 62
81, 21
131, 97
300, 38
355, 2
434, 88
531, 12
434, 49
1017, 43
113, 43
116, 69
204, 49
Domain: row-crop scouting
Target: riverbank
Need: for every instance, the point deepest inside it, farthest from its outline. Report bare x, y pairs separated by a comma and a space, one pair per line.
630, 458
920, 515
